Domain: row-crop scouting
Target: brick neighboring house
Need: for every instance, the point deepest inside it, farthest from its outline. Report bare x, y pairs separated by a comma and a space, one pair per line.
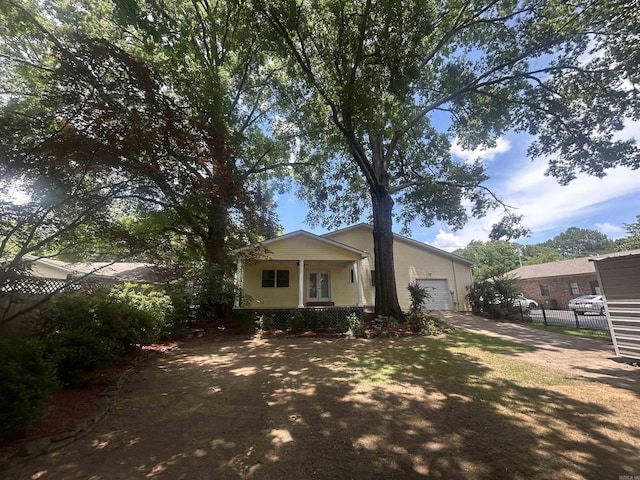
553, 284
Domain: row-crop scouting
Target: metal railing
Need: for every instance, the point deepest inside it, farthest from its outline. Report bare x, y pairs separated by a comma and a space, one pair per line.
588, 319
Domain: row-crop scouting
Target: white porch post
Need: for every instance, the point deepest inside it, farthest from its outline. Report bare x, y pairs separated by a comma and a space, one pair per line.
358, 270
301, 283
238, 284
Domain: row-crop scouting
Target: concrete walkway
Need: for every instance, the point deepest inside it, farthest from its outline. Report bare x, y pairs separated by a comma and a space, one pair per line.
582, 357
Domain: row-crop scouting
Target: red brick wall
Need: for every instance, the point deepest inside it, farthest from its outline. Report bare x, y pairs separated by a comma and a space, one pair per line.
559, 288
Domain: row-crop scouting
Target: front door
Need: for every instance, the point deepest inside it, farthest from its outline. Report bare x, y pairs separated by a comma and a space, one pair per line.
318, 287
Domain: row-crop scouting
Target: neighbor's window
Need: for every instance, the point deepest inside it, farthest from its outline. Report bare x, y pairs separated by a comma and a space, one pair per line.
544, 290
275, 278
595, 288
574, 288
373, 278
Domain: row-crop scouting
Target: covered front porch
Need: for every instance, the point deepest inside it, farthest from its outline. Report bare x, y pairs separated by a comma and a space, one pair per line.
300, 284
302, 270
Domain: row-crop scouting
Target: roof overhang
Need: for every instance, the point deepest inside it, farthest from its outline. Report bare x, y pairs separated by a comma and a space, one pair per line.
301, 234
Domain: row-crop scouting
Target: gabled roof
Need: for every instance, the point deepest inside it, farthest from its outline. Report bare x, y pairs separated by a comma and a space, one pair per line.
411, 241
573, 266
303, 233
127, 271
33, 259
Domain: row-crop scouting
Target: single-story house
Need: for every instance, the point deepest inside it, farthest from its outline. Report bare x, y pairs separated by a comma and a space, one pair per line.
553, 284
300, 269
42, 267
619, 276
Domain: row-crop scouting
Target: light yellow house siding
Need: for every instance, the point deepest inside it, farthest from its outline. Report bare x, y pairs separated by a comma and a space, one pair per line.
308, 248
412, 262
342, 291
272, 297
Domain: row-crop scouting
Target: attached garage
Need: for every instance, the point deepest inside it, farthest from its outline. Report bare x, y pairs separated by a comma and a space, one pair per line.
440, 294
619, 278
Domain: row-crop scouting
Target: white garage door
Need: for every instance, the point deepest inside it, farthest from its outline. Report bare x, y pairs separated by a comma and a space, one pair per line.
440, 294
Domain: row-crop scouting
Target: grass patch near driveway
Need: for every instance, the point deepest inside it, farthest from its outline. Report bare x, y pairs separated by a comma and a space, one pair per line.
576, 332
561, 425
463, 358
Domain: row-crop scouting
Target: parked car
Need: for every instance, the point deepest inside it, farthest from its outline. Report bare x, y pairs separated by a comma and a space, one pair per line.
524, 302
587, 303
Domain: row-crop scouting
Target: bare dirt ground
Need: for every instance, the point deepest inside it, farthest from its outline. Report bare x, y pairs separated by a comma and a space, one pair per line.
290, 408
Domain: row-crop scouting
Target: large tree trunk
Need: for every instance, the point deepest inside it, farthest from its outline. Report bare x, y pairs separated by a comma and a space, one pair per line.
217, 297
384, 275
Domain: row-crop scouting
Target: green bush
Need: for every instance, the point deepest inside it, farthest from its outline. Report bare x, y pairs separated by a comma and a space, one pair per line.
355, 324
244, 321
26, 381
425, 324
296, 321
419, 295
84, 332
494, 297
145, 311
267, 322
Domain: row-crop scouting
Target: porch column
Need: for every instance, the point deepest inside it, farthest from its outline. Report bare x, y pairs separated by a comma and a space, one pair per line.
358, 270
301, 283
238, 284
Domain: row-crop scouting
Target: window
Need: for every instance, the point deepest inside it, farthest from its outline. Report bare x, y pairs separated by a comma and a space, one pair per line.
353, 277
373, 278
574, 288
275, 278
544, 290
595, 288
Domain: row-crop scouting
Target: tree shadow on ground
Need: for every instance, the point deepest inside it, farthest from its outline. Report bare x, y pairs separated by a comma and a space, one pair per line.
296, 408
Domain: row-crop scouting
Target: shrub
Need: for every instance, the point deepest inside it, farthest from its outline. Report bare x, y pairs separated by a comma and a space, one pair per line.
355, 324
146, 311
418, 295
26, 381
296, 321
244, 321
83, 332
267, 322
494, 297
425, 324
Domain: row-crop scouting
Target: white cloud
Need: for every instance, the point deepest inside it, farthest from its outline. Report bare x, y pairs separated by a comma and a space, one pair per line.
449, 241
546, 204
487, 154
609, 229
549, 208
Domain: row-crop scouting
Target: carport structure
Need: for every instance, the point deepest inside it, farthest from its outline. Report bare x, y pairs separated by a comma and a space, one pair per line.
619, 277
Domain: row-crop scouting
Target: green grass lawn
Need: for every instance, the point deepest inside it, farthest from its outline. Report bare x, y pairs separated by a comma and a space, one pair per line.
581, 332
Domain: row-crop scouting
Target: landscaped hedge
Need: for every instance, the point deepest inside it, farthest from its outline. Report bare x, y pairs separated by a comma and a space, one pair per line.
84, 332
80, 333
26, 381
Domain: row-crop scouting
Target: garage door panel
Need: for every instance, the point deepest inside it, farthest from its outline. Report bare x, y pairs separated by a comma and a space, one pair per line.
440, 294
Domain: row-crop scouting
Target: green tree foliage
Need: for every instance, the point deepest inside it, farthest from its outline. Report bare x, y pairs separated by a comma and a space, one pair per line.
384, 87
160, 114
539, 253
580, 242
633, 229
491, 259
632, 240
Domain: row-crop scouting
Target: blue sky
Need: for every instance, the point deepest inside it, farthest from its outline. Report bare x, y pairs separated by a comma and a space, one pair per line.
548, 208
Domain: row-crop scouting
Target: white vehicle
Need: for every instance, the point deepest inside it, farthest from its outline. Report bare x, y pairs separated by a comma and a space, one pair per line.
524, 302
587, 304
